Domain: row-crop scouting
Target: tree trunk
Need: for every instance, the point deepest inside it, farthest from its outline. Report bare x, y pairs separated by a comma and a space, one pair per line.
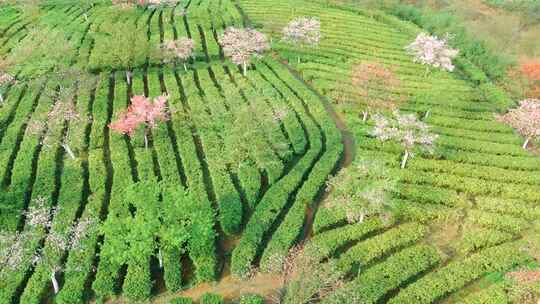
244, 66
362, 216
68, 151
427, 114
54, 282
160, 258
1, 98
185, 67
526, 143
404, 161
298, 59
128, 77
364, 116
146, 138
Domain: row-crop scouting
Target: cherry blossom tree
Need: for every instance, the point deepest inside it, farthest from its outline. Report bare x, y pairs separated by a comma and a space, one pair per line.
303, 31
407, 130
525, 119
376, 85
141, 112
243, 45
63, 112
362, 190
432, 51
5, 79
18, 249
181, 49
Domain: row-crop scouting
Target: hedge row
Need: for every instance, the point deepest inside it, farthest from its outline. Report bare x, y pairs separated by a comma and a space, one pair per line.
105, 283
81, 262
251, 299
211, 298
369, 250
326, 244
69, 200
457, 274
20, 184
371, 285
480, 238
201, 245
228, 199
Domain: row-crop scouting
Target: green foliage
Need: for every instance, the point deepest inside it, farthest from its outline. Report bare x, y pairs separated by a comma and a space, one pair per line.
42, 51
211, 298
119, 46
251, 299
181, 300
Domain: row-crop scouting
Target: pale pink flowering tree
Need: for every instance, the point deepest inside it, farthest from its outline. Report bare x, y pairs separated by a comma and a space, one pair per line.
303, 31
63, 112
181, 49
407, 130
5, 79
361, 190
141, 112
525, 119
242, 45
432, 51
18, 249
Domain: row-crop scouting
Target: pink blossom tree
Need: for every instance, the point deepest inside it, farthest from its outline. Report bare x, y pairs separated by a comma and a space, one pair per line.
407, 130
376, 85
243, 45
303, 32
141, 112
432, 51
181, 49
525, 119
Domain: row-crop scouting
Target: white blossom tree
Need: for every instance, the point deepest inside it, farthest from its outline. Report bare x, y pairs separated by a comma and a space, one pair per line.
407, 130
362, 190
18, 249
432, 51
525, 119
303, 32
5, 79
63, 112
178, 50
243, 45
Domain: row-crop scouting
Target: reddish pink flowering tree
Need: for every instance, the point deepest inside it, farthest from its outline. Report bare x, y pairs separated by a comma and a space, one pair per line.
525, 119
242, 45
432, 51
141, 112
407, 130
180, 49
376, 85
303, 32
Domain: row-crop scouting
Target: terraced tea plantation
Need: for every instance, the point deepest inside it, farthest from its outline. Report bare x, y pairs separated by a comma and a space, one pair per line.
234, 175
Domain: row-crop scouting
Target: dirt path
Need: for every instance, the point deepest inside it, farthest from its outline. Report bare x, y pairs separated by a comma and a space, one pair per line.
347, 139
